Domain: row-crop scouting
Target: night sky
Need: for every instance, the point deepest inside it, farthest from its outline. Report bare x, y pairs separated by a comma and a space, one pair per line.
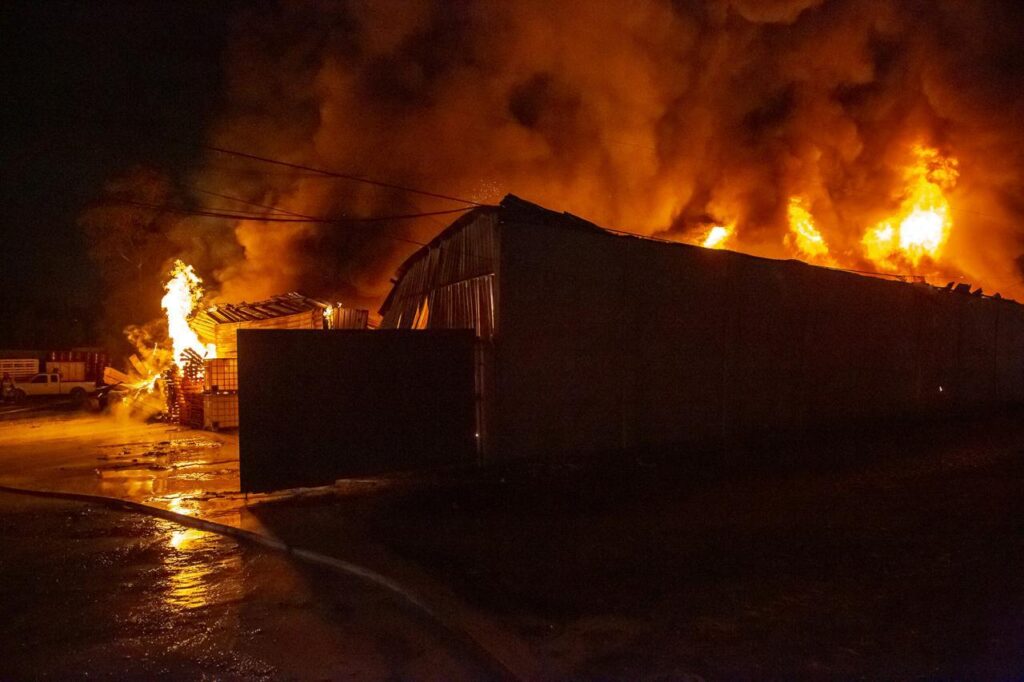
86, 82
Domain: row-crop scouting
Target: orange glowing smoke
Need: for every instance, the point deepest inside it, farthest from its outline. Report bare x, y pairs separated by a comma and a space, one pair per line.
922, 225
184, 292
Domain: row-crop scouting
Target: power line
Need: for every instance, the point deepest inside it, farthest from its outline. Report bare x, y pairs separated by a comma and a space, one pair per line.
343, 176
425, 214
240, 200
239, 215
145, 129
226, 215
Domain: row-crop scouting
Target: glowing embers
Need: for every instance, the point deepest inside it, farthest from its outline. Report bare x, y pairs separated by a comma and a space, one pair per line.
184, 292
922, 225
803, 236
717, 237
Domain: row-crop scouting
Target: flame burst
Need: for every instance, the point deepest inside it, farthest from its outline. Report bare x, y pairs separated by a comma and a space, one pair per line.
145, 391
922, 226
184, 292
717, 237
803, 235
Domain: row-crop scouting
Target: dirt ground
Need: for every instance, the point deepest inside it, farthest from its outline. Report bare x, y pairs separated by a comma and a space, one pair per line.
893, 555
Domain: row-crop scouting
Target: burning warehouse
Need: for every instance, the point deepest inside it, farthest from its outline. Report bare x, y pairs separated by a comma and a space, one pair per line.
519, 331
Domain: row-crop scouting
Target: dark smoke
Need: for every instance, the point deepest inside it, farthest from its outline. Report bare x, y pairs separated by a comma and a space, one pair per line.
658, 117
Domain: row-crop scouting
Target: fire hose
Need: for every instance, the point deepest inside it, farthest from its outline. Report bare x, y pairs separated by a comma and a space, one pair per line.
501, 670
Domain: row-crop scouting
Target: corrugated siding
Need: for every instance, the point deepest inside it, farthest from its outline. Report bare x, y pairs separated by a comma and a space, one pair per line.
349, 318
452, 283
226, 335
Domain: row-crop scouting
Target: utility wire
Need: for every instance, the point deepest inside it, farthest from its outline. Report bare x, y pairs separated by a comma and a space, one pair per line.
334, 174
226, 215
240, 200
240, 215
308, 217
144, 129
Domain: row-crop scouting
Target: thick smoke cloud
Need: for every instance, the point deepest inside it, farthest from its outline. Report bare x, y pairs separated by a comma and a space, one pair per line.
659, 117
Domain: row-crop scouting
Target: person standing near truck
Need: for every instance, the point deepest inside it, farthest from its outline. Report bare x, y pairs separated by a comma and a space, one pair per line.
7, 388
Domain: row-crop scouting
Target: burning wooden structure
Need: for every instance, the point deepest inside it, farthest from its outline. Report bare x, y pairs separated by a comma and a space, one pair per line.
219, 324
590, 340
202, 392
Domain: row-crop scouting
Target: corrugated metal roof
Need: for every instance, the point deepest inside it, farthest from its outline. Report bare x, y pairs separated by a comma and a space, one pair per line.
278, 306
511, 209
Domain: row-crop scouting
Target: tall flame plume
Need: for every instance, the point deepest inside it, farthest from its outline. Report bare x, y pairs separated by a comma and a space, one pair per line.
184, 293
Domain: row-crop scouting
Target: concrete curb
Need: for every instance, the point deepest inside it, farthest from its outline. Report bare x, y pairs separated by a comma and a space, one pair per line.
501, 670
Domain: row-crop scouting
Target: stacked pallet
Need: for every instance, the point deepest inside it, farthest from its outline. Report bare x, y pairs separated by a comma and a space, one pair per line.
180, 387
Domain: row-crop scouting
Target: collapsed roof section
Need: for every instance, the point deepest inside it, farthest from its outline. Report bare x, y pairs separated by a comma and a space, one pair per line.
277, 306
219, 324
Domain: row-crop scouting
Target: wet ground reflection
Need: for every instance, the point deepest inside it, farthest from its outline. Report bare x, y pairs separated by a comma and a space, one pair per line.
88, 590
202, 568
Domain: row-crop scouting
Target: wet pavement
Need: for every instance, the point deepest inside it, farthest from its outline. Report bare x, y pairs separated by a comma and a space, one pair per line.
88, 591
91, 592
163, 465
897, 553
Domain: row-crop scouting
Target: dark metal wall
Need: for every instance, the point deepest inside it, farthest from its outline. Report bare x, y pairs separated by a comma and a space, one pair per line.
610, 342
316, 406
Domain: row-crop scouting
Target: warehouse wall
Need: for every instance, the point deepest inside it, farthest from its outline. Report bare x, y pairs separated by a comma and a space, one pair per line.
611, 342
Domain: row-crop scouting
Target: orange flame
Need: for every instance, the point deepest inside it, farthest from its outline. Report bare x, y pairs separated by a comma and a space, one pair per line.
922, 226
184, 292
717, 237
804, 236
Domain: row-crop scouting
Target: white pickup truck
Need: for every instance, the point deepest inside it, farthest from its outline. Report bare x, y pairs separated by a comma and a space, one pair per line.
51, 384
